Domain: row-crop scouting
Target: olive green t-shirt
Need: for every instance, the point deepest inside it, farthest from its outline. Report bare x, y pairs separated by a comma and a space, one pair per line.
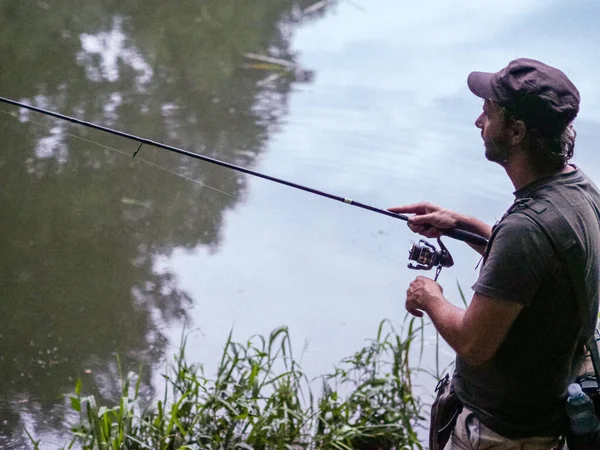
520, 392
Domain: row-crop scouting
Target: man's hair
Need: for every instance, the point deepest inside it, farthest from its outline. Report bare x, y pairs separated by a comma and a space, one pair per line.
546, 150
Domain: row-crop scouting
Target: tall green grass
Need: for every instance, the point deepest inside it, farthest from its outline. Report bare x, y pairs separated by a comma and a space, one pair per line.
261, 399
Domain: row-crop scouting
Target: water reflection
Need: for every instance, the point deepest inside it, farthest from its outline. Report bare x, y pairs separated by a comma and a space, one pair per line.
388, 120
82, 225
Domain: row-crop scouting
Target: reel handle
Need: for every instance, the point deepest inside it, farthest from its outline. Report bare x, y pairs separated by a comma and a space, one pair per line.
465, 236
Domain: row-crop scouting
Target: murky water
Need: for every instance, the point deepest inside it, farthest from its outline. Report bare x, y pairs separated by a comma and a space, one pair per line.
103, 254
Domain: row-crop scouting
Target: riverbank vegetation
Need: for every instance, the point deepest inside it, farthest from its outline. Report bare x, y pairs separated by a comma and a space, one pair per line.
261, 399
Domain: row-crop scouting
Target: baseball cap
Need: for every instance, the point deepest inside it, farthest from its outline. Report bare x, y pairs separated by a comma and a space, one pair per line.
540, 95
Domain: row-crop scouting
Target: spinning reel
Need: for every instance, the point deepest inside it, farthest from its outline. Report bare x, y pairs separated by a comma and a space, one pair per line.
426, 257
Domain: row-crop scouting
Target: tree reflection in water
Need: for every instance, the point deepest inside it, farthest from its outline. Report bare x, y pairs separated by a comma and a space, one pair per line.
81, 225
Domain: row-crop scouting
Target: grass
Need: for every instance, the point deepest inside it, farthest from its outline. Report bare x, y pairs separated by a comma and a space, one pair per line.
261, 399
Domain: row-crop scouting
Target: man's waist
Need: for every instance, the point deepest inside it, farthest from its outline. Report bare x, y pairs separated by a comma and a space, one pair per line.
521, 416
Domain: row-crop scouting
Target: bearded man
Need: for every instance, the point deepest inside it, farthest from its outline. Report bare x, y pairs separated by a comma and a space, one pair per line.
535, 303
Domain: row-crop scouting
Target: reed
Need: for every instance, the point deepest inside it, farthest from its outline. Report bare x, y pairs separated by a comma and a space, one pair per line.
261, 399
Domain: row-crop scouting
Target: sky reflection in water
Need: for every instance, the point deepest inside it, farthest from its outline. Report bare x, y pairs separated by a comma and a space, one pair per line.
388, 120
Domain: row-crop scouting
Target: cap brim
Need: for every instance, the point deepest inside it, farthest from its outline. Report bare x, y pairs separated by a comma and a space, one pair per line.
480, 84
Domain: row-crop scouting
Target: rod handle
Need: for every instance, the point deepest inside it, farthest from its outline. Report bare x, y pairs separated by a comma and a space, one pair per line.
465, 236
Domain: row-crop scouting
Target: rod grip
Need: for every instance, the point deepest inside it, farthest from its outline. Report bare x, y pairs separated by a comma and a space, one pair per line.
465, 236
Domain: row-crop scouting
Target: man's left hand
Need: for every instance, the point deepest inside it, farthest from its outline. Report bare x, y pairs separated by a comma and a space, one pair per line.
421, 293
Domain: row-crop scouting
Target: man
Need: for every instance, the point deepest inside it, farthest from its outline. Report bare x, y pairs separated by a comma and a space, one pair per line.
520, 340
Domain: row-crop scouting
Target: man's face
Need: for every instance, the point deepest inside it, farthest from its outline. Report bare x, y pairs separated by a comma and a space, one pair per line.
493, 132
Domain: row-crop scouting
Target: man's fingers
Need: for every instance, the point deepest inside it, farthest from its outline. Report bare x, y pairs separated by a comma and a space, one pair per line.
424, 219
432, 233
419, 228
416, 312
416, 228
414, 208
425, 230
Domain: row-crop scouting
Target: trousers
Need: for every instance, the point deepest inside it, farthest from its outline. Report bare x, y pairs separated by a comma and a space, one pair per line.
470, 434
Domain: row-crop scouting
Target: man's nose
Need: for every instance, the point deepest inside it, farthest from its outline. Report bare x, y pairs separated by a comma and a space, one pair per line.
479, 121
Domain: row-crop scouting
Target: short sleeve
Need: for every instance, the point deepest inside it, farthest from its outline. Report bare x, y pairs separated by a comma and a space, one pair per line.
520, 257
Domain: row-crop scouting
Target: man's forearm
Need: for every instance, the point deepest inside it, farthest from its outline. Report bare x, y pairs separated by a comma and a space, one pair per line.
477, 332
474, 226
448, 321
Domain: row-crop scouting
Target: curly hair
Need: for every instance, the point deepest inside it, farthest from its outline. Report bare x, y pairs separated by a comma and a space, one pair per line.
547, 150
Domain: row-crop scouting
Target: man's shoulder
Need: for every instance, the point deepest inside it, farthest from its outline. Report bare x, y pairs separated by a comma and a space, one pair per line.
517, 234
573, 186
517, 220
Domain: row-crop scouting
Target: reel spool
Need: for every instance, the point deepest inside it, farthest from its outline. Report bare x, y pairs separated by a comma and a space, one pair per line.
424, 256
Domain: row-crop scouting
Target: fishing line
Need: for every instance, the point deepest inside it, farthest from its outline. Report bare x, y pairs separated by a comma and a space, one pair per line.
139, 158
200, 183
454, 233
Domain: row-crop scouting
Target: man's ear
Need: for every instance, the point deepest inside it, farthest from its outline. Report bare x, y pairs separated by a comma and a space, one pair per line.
518, 130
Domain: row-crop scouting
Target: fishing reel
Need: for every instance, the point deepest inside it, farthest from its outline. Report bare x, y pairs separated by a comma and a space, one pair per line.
426, 257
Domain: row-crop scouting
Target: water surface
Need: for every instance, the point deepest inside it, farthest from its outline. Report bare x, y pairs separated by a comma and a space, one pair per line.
103, 254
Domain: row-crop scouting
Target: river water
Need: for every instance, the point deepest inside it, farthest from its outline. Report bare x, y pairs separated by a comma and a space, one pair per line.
103, 254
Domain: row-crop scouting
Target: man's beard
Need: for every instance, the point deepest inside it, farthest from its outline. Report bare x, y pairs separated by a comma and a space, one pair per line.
497, 151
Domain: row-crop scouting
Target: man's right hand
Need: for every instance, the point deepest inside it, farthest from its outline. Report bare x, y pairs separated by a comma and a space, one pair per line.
428, 219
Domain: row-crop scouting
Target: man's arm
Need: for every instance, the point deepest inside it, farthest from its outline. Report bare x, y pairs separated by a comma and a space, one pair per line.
476, 226
475, 333
430, 220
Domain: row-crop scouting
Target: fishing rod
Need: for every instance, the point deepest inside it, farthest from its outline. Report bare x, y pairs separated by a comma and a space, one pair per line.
428, 257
